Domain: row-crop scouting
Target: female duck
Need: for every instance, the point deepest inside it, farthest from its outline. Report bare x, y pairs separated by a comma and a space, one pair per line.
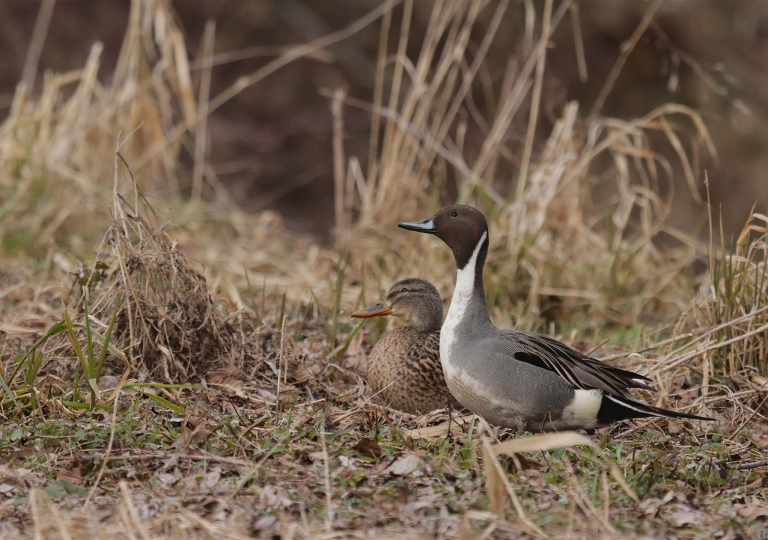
404, 368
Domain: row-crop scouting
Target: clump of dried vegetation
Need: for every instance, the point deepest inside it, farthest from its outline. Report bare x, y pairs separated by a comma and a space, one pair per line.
115, 321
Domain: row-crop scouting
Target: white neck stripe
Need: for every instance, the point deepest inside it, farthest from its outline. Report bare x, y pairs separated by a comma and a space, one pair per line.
465, 284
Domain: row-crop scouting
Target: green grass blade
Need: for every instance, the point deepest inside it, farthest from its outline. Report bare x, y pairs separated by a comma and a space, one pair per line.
105, 342
57, 328
341, 349
342, 270
165, 403
75, 343
76, 405
4, 386
89, 339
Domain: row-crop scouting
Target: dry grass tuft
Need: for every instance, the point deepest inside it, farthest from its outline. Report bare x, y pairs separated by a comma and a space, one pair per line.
736, 301
167, 320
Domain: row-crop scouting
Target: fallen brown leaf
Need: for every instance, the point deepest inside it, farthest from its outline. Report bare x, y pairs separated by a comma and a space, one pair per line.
22, 454
404, 465
73, 473
227, 378
683, 518
369, 447
753, 511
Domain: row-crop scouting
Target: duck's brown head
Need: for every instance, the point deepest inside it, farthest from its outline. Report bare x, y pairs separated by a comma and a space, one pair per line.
413, 298
459, 226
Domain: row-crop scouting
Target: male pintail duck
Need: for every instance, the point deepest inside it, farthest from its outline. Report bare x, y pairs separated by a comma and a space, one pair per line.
404, 366
520, 379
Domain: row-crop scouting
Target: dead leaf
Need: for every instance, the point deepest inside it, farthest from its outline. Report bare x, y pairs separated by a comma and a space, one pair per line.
306, 371
73, 473
674, 427
493, 482
316, 456
681, 518
650, 506
272, 496
211, 478
403, 492
22, 454
753, 511
167, 479
191, 438
369, 447
264, 523
227, 378
404, 465
23, 478
287, 395
449, 468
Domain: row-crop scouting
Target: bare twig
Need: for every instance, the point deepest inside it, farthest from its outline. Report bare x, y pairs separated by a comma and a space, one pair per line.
36, 44
109, 451
535, 100
281, 367
490, 454
378, 89
748, 465
626, 48
131, 512
338, 160
202, 107
327, 479
578, 43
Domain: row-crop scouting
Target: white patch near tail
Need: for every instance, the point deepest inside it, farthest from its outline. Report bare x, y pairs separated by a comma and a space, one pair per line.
583, 409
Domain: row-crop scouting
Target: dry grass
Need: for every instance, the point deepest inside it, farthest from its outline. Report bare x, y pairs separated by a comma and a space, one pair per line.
238, 329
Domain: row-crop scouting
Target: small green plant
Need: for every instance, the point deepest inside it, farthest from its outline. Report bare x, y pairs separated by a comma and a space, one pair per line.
338, 289
92, 365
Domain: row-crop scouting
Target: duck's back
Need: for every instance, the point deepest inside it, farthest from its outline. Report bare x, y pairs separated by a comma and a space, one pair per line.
404, 371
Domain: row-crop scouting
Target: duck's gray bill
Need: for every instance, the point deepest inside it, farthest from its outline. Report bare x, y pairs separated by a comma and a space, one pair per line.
426, 226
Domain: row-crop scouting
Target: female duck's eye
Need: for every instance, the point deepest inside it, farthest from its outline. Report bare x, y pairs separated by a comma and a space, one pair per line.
454, 214
404, 289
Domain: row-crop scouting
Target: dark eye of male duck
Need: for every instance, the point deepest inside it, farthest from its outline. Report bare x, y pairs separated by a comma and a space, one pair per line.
404, 366
518, 379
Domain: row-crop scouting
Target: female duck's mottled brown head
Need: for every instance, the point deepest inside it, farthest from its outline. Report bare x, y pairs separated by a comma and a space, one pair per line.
459, 226
413, 298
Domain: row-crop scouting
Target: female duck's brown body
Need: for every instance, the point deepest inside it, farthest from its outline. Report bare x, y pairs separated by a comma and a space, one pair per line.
404, 370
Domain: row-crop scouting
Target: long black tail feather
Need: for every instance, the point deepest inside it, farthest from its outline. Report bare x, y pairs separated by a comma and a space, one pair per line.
616, 408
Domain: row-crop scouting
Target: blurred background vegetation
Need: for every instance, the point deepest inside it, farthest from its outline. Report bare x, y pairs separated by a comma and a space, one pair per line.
271, 144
